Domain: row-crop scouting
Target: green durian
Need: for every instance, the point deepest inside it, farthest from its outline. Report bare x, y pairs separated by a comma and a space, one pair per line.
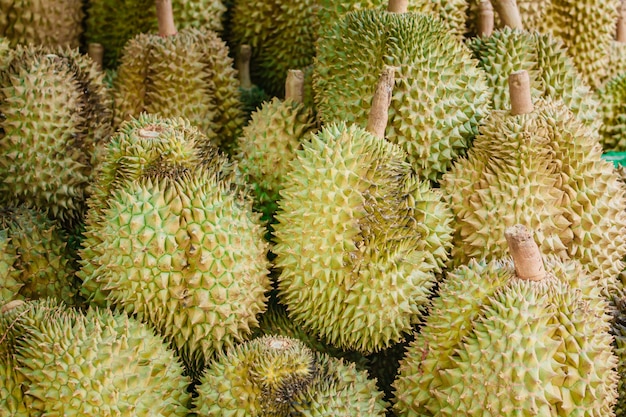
618, 329
440, 95
617, 54
612, 98
505, 339
11, 396
40, 22
95, 364
279, 376
56, 114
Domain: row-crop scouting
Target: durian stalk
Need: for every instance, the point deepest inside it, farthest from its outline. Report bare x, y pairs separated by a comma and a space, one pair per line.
11, 305
509, 13
294, 86
398, 6
525, 253
96, 53
379, 113
165, 17
243, 65
620, 33
519, 90
485, 19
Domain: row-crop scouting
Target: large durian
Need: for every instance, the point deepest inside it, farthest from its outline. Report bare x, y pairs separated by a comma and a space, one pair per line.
56, 113
539, 165
279, 376
359, 237
512, 338
440, 95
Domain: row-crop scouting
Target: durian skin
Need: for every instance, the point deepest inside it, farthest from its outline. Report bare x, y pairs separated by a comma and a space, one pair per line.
11, 396
618, 329
57, 114
545, 170
440, 94
612, 97
353, 270
542, 344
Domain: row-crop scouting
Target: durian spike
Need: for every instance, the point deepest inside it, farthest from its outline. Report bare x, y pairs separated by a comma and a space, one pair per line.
165, 16
509, 13
398, 6
379, 113
620, 32
294, 86
485, 18
96, 53
519, 90
525, 253
243, 65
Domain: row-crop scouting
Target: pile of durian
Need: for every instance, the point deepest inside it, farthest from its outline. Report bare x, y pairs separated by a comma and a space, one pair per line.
312, 208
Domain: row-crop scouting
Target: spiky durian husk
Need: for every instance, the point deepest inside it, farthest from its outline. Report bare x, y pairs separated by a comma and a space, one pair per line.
95, 364
113, 23
358, 240
532, 13
182, 250
440, 94
11, 396
618, 329
268, 144
612, 98
545, 170
617, 61
42, 22
279, 376
551, 71
282, 35
537, 348
187, 75
56, 113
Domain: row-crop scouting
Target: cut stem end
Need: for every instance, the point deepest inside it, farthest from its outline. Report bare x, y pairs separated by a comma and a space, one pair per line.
398, 6
245, 54
509, 13
486, 17
525, 253
519, 90
379, 112
294, 86
165, 16
96, 53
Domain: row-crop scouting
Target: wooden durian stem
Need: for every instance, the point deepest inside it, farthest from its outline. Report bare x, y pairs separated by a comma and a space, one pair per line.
165, 16
519, 90
620, 32
379, 112
398, 6
485, 18
11, 305
243, 64
525, 253
294, 86
96, 53
509, 13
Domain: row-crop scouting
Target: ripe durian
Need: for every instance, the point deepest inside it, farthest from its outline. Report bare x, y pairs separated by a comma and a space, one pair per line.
39, 22
539, 166
440, 96
359, 238
279, 376
98, 363
522, 337
56, 113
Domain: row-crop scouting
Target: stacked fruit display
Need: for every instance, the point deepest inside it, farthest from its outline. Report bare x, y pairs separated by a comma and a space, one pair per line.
312, 208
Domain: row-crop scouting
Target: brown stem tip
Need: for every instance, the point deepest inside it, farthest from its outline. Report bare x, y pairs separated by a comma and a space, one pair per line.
96, 53
620, 34
525, 253
509, 13
398, 6
485, 18
243, 65
294, 86
165, 16
379, 112
519, 90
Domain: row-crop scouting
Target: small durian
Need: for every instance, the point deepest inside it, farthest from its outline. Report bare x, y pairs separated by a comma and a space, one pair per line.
520, 337
252, 96
279, 376
359, 238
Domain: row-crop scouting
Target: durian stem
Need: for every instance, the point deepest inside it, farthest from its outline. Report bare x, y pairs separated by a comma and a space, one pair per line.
525, 253
11, 305
165, 16
243, 64
96, 53
519, 90
509, 13
485, 19
620, 33
379, 113
398, 6
294, 86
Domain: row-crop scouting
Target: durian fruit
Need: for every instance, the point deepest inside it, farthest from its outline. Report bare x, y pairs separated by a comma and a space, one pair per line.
11, 396
41, 22
98, 363
252, 96
279, 376
270, 141
612, 109
440, 95
186, 74
34, 258
359, 238
617, 55
618, 329
520, 337
539, 165
113, 23
56, 114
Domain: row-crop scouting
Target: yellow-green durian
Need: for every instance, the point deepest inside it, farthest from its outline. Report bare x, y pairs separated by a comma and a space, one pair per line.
279, 376
612, 98
97, 363
440, 94
42, 22
56, 114
11, 395
188, 75
359, 239
498, 344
